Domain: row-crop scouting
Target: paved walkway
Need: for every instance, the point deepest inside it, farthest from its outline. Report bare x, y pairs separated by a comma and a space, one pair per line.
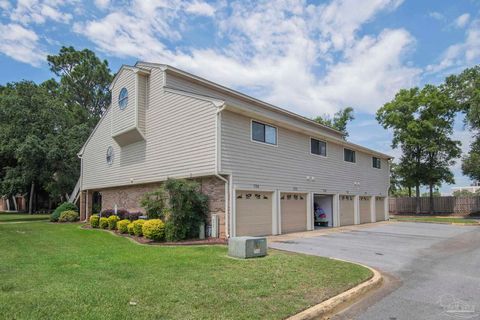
432, 270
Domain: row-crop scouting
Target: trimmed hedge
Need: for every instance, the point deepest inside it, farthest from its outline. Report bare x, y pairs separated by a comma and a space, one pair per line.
130, 228
68, 216
137, 227
94, 221
103, 223
112, 222
154, 229
122, 226
66, 206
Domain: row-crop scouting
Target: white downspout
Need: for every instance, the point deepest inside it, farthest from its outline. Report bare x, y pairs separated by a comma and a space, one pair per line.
217, 164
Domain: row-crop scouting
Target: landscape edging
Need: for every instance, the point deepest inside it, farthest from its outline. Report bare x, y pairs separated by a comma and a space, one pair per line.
328, 307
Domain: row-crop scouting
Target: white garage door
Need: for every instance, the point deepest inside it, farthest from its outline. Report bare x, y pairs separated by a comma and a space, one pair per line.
253, 210
294, 212
347, 211
365, 216
380, 209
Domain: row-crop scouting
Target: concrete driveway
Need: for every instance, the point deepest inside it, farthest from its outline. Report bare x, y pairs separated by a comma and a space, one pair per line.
432, 271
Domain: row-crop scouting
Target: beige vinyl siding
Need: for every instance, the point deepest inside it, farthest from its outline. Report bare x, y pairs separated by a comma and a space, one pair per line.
287, 165
365, 212
123, 119
380, 209
177, 82
142, 102
180, 141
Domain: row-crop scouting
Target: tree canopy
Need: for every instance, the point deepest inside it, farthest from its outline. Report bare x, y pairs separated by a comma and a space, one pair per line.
339, 121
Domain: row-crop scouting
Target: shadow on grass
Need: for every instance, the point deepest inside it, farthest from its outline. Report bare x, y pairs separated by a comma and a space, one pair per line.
18, 217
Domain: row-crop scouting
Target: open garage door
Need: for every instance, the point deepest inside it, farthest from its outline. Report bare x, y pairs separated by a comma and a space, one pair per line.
253, 212
365, 216
380, 208
347, 210
294, 212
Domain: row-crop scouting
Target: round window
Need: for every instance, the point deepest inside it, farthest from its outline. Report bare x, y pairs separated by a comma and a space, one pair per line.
109, 156
123, 98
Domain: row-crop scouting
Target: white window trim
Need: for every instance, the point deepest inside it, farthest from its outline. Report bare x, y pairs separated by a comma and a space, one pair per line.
260, 142
314, 154
343, 154
126, 97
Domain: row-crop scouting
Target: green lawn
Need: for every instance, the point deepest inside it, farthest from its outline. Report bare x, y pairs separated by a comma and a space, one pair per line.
60, 271
11, 217
434, 219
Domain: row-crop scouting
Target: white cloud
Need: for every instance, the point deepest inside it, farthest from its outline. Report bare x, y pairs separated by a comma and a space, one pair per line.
39, 11
436, 15
460, 55
307, 58
102, 4
462, 20
20, 44
200, 8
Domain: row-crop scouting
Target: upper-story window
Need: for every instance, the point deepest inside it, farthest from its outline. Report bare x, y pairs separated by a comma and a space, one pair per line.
318, 147
349, 155
262, 132
376, 162
109, 155
123, 98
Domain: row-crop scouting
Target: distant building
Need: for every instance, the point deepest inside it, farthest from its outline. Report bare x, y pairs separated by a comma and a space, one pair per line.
472, 188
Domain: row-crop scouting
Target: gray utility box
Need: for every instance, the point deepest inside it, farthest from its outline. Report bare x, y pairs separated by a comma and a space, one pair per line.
247, 247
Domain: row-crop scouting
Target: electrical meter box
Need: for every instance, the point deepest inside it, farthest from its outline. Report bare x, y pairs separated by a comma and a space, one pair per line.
247, 247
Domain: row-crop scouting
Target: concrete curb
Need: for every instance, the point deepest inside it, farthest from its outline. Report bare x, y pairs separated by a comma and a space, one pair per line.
331, 306
439, 222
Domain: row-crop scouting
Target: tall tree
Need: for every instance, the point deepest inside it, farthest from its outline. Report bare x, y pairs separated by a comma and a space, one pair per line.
465, 89
339, 121
422, 124
84, 80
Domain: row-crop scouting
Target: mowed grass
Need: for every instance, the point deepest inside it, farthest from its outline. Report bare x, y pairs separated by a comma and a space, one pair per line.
60, 271
435, 219
13, 217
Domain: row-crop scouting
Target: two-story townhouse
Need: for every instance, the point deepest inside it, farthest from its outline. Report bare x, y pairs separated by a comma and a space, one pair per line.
266, 170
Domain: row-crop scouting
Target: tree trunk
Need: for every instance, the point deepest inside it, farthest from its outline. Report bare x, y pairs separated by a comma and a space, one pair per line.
431, 198
410, 191
417, 199
30, 202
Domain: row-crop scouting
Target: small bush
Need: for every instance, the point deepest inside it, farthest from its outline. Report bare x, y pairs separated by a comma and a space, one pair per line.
112, 222
130, 228
94, 221
171, 231
68, 216
132, 216
66, 206
137, 227
154, 229
103, 223
111, 212
122, 226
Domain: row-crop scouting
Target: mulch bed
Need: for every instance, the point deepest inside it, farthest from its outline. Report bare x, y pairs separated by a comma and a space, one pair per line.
142, 240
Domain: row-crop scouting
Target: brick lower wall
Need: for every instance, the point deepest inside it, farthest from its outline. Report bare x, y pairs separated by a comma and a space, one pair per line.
128, 197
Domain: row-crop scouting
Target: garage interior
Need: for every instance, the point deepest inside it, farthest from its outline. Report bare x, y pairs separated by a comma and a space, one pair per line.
323, 204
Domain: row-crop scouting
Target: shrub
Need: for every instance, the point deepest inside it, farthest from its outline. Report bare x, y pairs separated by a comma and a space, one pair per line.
66, 206
68, 216
94, 220
130, 228
188, 209
122, 226
137, 227
154, 202
132, 216
112, 222
170, 231
121, 213
154, 229
103, 223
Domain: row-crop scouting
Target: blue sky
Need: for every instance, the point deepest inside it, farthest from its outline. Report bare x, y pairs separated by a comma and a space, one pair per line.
310, 57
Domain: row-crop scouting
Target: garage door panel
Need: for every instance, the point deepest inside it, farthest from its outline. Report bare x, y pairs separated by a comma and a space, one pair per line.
380, 209
347, 211
253, 213
365, 216
293, 212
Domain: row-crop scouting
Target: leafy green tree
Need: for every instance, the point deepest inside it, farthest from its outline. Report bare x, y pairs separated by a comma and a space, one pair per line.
339, 121
85, 81
422, 124
465, 89
463, 193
